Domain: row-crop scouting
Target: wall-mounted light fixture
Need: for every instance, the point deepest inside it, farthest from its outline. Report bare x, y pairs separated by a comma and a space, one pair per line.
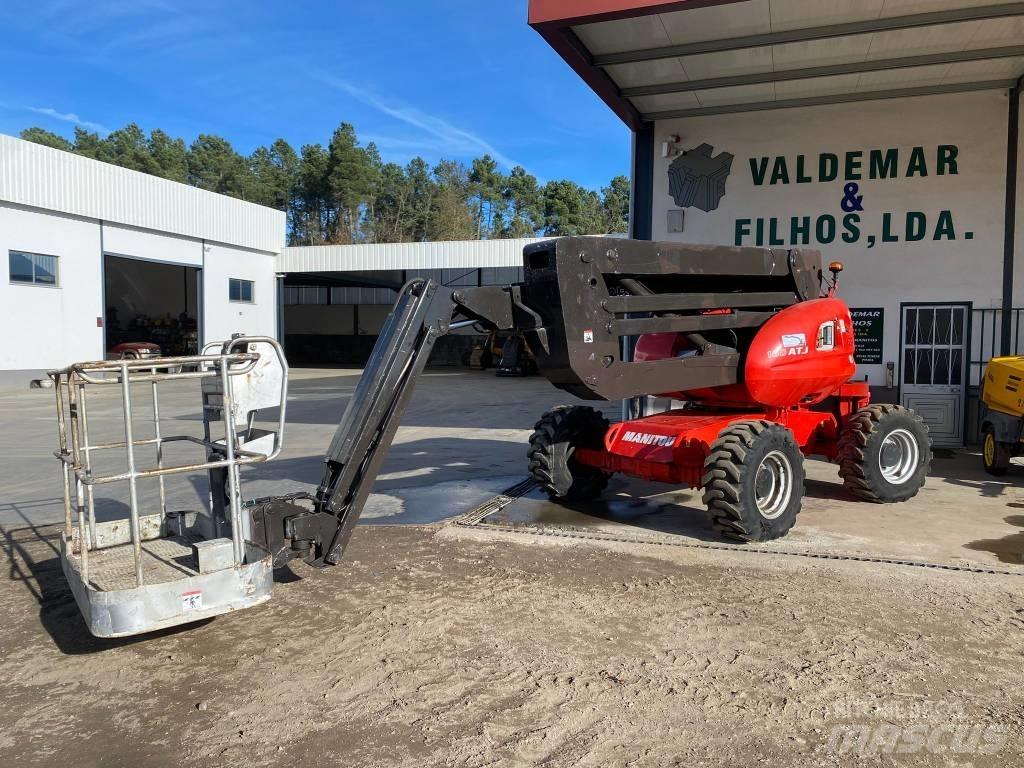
671, 148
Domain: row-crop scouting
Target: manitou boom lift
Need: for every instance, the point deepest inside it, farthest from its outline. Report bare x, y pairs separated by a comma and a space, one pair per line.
740, 334
760, 360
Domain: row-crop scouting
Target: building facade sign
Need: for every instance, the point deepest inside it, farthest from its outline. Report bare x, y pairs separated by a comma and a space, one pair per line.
909, 195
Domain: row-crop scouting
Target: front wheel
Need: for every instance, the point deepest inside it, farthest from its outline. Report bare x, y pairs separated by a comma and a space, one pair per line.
754, 481
885, 454
555, 439
995, 455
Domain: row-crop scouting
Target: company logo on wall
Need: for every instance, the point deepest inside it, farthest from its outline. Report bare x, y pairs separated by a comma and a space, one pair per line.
697, 180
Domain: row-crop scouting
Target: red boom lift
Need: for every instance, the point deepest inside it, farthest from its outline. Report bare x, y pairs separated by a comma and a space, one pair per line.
759, 359
743, 336
744, 443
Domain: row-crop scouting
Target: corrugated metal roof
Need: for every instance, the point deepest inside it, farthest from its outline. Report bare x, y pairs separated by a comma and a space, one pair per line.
42, 177
468, 254
660, 59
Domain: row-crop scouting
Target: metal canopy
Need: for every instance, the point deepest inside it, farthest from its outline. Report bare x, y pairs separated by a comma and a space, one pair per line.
660, 59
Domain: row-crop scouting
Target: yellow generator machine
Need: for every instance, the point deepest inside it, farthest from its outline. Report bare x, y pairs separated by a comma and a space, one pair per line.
1002, 412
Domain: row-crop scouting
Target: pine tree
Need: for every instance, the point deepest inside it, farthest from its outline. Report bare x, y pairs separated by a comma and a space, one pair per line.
213, 164
351, 178
346, 193
486, 184
615, 206
170, 156
46, 138
570, 209
524, 204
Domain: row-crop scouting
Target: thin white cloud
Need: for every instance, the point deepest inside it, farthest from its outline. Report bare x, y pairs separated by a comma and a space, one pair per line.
450, 138
68, 117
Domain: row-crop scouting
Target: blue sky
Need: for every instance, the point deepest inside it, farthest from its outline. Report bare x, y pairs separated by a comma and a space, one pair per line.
435, 78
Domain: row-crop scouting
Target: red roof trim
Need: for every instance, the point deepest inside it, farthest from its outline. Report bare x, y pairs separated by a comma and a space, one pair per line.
571, 12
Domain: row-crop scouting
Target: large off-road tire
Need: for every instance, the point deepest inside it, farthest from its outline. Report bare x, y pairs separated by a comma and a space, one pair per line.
995, 455
885, 453
754, 481
555, 439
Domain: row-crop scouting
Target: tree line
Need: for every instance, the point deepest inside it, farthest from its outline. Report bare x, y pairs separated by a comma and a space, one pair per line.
346, 193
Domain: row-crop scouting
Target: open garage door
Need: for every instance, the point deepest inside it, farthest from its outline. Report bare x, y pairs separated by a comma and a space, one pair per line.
334, 318
150, 302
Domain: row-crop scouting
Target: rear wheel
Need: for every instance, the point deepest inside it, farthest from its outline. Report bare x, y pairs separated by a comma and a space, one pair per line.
884, 453
555, 439
754, 481
995, 455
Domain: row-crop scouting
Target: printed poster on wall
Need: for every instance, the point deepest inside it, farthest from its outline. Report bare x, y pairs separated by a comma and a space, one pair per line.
867, 334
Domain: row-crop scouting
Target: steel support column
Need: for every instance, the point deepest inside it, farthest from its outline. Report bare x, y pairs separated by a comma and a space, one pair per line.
1010, 222
641, 205
279, 280
641, 227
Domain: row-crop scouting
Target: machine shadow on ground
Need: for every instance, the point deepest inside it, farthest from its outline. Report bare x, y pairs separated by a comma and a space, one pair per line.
1010, 548
626, 507
32, 553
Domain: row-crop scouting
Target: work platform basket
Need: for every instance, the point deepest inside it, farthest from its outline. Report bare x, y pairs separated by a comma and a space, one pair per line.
157, 567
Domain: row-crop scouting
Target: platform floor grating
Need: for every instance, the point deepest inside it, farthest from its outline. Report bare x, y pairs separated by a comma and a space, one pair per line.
163, 560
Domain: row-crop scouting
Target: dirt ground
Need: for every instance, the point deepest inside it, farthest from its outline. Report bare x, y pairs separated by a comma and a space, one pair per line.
436, 645
432, 645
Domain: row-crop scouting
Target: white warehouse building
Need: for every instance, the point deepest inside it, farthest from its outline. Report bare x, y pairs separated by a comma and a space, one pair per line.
100, 256
95, 252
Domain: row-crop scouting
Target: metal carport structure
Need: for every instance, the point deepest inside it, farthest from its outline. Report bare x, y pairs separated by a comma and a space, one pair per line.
664, 64
334, 298
651, 60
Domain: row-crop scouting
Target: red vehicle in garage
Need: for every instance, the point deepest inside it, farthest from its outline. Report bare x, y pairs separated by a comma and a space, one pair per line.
133, 350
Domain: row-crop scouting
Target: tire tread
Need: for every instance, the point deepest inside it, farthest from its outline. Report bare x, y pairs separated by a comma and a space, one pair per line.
853, 442
724, 471
566, 423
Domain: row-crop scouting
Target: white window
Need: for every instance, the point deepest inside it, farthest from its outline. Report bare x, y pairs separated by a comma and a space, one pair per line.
32, 268
240, 290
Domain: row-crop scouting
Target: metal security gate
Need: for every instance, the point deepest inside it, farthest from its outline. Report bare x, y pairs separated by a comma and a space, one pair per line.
934, 360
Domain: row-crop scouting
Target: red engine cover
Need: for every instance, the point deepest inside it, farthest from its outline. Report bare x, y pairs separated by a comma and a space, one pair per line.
660, 346
801, 355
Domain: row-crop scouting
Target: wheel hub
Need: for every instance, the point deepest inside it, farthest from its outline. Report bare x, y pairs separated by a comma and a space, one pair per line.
990, 449
773, 485
899, 456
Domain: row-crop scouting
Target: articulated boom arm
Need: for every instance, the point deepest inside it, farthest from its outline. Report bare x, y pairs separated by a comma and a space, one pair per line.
580, 298
422, 314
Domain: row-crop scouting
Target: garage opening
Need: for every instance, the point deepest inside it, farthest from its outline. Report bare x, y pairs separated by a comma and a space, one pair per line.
149, 303
334, 318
